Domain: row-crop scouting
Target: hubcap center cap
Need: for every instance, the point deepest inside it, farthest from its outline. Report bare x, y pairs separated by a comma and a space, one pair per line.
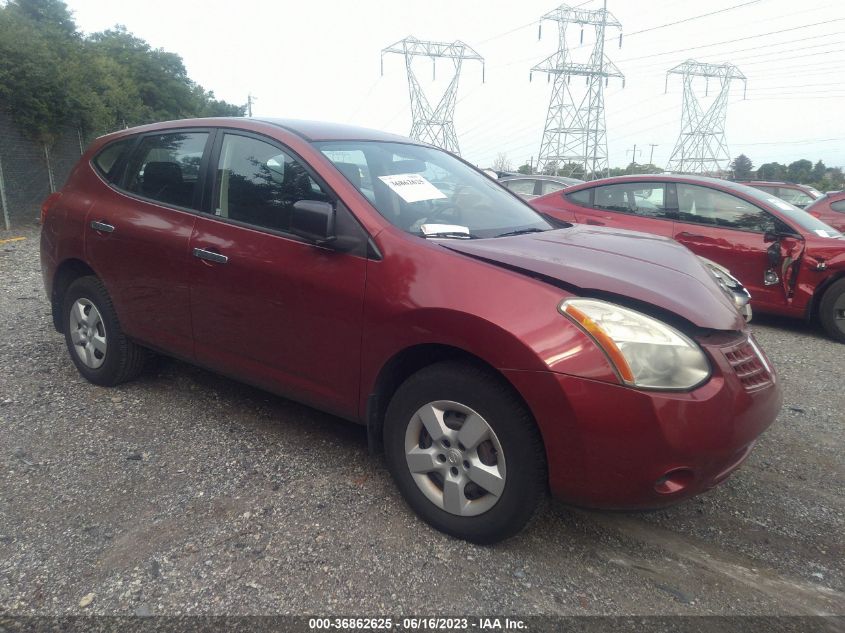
454, 456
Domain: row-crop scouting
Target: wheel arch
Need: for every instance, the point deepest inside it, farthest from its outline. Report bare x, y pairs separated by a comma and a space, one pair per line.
67, 272
405, 363
812, 314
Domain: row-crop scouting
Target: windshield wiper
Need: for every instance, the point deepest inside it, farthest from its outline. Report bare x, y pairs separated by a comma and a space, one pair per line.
521, 232
458, 235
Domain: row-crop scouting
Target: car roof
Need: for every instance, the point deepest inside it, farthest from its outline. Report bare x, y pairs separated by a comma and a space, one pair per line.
308, 130
687, 178
542, 177
770, 182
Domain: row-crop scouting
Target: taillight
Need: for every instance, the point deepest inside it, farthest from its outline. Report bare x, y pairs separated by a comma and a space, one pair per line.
48, 204
815, 214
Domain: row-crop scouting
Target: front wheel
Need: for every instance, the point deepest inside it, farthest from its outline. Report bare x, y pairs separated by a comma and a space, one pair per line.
465, 452
832, 311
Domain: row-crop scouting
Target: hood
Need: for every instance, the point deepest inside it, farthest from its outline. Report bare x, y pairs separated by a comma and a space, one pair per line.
647, 268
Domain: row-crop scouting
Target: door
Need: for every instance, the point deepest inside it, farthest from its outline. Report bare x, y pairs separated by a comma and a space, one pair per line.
138, 233
636, 206
732, 232
266, 306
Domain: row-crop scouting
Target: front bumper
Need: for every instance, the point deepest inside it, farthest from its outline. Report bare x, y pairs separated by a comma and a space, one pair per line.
612, 446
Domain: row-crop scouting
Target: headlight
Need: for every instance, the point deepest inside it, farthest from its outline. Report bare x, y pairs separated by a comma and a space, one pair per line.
645, 352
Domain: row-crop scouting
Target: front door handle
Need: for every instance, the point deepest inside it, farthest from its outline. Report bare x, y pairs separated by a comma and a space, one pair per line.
595, 222
210, 256
694, 236
102, 227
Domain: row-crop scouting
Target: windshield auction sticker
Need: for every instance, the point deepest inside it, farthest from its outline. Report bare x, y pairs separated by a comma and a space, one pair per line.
412, 187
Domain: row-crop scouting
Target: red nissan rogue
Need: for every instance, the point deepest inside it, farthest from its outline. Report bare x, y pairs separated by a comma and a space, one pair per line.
491, 354
792, 263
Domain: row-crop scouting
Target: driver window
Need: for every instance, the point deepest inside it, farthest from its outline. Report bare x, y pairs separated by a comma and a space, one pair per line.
258, 184
703, 205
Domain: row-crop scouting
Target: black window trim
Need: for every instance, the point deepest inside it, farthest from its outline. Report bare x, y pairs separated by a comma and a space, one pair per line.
210, 187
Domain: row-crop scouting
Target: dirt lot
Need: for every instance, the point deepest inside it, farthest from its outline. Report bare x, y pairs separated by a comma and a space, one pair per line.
185, 492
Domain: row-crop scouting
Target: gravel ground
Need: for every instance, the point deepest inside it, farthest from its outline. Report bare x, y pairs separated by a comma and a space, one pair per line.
184, 492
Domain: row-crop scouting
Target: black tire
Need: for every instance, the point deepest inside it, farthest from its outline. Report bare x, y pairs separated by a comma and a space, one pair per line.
525, 481
123, 360
831, 310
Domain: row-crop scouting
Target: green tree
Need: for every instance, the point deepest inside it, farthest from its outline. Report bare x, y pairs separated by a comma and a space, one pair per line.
52, 77
742, 167
819, 171
800, 171
525, 169
771, 171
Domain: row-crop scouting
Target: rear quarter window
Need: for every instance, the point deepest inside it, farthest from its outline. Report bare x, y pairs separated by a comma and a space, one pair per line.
581, 197
107, 160
839, 206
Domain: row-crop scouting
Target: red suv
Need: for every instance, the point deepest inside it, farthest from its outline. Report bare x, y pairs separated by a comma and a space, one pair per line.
799, 195
791, 263
830, 209
491, 354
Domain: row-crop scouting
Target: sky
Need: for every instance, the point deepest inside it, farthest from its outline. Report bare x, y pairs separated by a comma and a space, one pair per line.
321, 60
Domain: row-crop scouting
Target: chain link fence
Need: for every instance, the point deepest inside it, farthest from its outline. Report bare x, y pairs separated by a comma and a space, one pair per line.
30, 170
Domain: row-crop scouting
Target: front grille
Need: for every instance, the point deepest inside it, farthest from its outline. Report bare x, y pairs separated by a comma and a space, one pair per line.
749, 367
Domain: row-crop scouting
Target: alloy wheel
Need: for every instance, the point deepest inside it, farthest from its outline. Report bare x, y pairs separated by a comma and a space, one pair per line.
88, 333
455, 458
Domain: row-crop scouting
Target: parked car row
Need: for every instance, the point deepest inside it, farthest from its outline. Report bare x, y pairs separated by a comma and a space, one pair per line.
492, 352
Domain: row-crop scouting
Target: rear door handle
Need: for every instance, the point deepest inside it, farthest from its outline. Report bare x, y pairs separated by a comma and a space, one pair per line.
102, 227
692, 235
210, 256
594, 222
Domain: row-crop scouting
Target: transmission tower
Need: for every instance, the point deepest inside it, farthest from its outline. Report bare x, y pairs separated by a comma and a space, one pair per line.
435, 126
701, 147
575, 137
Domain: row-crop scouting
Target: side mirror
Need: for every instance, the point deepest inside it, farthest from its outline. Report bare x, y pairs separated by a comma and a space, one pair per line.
770, 236
314, 221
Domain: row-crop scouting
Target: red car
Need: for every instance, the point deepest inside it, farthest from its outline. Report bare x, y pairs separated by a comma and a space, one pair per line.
799, 195
830, 209
489, 353
792, 263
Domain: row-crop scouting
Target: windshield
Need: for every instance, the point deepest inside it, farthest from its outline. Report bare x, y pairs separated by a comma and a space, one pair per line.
428, 192
791, 213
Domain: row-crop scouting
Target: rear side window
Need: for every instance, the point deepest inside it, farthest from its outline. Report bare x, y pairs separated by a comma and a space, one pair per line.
107, 161
641, 198
258, 183
580, 197
165, 167
839, 206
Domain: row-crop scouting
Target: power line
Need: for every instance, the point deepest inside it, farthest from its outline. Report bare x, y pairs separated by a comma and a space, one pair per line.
695, 17
739, 39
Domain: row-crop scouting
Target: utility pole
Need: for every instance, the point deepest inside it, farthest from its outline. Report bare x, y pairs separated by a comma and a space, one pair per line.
437, 125
701, 147
249, 100
574, 137
633, 153
651, 153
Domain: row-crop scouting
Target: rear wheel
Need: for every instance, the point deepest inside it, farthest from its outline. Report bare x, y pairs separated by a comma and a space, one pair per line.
96, 343
465, 452
832, 311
